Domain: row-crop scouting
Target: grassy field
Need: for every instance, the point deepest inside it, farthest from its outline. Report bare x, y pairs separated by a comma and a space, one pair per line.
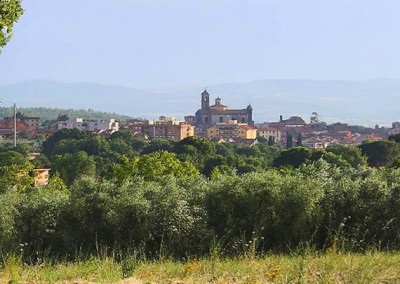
307, 268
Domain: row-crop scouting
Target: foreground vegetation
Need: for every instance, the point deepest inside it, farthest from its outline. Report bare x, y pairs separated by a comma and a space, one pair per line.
119, 207
301, 267
184, 216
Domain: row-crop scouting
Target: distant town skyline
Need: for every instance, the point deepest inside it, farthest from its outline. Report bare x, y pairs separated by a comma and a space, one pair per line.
158, 44
355, 102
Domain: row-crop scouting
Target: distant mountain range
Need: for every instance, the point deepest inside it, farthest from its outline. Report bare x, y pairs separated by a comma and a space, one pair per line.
356, 102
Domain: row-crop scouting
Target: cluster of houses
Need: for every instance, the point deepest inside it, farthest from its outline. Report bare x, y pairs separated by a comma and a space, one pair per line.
24, 126
29, 127
216, 122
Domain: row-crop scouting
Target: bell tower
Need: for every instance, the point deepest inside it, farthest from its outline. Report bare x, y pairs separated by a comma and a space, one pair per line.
250, 115
205, 100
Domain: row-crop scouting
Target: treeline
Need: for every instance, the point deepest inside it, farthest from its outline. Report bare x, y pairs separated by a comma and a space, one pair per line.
190, 198
49, 114
102, 157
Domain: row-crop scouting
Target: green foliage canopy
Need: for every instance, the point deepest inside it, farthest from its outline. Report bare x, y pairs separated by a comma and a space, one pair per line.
350, 154
10, 11
69, 135
153, 166
380, 153
15, 171
295, 157
169, 214
72, 166
395, 137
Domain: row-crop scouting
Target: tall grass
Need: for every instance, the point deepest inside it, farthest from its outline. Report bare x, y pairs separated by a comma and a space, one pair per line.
90, 270
307, 267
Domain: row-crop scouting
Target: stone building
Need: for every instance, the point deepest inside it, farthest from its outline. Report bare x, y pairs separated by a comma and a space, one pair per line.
163, 128
209, 115
232, 129
90, 125
267, 132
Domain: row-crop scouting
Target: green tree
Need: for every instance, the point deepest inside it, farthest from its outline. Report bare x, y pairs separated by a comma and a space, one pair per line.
213, 162
90, 217
395, 137
293, 157
62, 117
380, 153
159, 145
161, 218
72, 166
9, 201
12, 158
396, 163
65, 134
123, 142
271, 141
20, 115
121, 147
331, 158
299, 141
195, 150
224, 149
271, 208
66, 146
289, 141
95, 145
125, 169
15, 170
40, 221
127, 137
10, 11
350, 154
21, 148
269, 153
201, 146
163, 163
246, 150
262, 140
152, 167
298, 156
315, 119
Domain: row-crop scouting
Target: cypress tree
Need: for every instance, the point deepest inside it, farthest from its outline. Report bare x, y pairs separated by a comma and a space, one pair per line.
289, 141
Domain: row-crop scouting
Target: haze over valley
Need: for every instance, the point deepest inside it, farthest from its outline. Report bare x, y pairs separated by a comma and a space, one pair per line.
366, 103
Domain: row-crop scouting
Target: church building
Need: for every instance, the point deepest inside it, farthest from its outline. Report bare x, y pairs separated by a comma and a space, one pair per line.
210, 115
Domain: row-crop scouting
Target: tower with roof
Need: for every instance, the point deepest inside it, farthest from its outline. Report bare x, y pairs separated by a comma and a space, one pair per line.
209, 115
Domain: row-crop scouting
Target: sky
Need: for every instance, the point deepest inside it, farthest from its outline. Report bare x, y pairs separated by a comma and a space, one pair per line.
165, 43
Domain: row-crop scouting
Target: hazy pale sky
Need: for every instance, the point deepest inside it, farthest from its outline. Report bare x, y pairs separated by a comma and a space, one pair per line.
156, 43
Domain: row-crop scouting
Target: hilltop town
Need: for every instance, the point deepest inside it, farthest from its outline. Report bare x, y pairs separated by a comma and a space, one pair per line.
217, 122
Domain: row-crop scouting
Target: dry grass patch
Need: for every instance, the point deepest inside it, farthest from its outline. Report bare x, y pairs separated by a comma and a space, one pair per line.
305, 268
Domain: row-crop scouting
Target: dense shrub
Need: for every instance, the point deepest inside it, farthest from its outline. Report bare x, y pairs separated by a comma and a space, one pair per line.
159, 205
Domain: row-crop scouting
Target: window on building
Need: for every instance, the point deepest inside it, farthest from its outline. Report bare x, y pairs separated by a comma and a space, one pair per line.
206, 120
243, 120
221, 119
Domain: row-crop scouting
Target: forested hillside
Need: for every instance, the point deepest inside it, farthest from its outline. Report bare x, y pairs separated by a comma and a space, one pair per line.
47, 114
